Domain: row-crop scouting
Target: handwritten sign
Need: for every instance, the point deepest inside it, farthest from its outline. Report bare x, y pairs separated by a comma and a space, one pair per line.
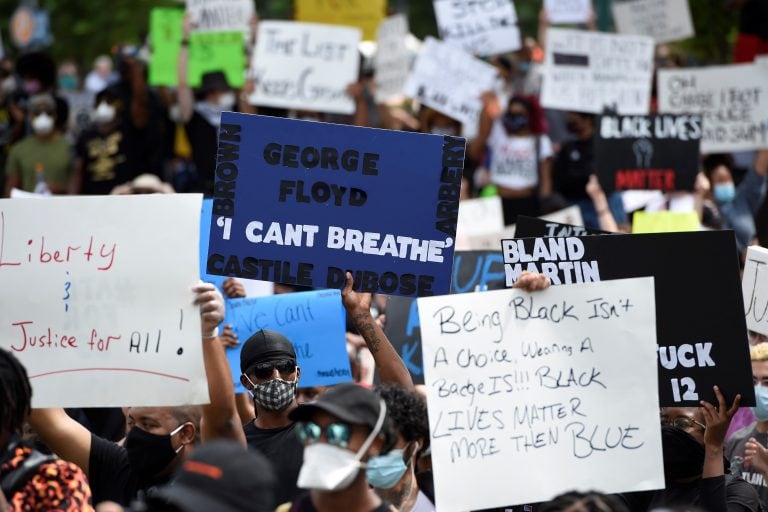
733, 101
528, 377
165, 34
313, 321
590, 71
480, 28
301, 202
365, 15
663, 20
755, 288
472, 271
221, 15
97, 300
533, 226
480, 216
305, 66
450, 81
568, 11
216, 51
648, 152
664, 222
696, 327
392, 61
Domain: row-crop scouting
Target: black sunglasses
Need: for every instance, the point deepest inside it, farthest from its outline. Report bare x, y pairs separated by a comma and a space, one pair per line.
284, 367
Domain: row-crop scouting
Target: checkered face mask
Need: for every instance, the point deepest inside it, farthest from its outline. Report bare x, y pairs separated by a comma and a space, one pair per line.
273, 395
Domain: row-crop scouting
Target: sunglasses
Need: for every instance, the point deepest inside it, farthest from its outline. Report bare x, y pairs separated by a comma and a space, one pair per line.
681, 422
262, 371
336, 434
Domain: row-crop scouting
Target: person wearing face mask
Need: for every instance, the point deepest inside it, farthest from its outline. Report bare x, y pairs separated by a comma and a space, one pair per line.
746, 449
41, 161
393, 475
159, 438
520, 154
342, 432
730, 207
37, 75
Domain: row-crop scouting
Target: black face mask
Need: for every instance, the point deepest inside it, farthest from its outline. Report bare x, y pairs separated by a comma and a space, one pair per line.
683, 455
572, 127
426, 484
149, 454
514, 122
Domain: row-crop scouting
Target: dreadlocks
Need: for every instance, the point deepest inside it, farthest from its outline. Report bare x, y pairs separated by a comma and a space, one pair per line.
15, 393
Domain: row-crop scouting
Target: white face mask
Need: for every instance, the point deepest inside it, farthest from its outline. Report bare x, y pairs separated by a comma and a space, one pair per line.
330, 468
42, 124
104, 113
227, 100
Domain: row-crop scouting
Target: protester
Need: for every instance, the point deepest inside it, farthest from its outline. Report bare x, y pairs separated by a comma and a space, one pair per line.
37, 75
100, 76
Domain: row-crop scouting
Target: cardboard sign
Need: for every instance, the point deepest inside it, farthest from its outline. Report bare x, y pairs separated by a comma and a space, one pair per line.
506, 382
165, 34
663, 20
591, 72
221, 15
392, 61
97, 301
733, 102
480, 28
305, 66
450, 81
568, 11
302, 202
755, 288
365, 15
665, 222
216, 51
648, 152
314, 322
700, 320
472, 271
533, 226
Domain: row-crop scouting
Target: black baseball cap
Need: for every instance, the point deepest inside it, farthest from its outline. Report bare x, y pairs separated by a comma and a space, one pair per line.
264, 346
221, 475
351, 403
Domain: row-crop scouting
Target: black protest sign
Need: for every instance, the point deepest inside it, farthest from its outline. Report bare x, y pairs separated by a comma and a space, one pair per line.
472, 271
700, 327
648, 152
533, 226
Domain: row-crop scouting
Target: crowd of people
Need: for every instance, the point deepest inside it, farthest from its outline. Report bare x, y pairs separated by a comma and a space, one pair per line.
353, 446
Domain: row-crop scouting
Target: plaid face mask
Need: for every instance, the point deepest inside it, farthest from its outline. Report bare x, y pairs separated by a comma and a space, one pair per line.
275, 394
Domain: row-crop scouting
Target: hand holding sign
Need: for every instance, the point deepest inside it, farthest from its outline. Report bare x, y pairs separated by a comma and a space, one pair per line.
211, 308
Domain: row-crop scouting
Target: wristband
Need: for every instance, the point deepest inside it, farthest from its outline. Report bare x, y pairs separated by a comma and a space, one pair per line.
212, 334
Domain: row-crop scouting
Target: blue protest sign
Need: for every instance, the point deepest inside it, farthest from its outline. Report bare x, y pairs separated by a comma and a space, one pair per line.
301, 203
205, 232
313, 321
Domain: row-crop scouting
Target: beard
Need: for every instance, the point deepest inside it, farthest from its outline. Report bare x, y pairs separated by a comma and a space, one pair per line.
398, 494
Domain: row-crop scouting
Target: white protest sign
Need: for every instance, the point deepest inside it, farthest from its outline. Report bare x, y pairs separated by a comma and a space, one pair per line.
568, 11
391, 62
221, 15
488, 27
480, 216
590, 71
305, 66
663, 20
754, 286
450, 81
542, 379
97, 299
733, 102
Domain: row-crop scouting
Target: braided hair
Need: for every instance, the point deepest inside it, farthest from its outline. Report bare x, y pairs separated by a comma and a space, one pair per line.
15, 394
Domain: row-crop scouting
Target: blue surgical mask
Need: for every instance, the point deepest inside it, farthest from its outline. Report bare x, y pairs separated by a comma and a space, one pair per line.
761, 399
385, 471
725, 192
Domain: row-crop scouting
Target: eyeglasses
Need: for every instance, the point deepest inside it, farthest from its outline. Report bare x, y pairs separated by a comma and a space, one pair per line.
336, 434
681, 422
262, 371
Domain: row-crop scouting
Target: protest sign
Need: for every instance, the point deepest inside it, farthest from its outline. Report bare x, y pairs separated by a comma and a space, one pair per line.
664, 222
111, 320
472, 271
570, 216
591, 72
568, 11
450, 81
313, 321
305, 66
648, 152
480, 28
547, 390
663, 20
535, 227
302, 202
480, 216
216, 51
696, 326
755, 289
165, 34
392, 62
364, 15
221, 15
485, 242
732, 100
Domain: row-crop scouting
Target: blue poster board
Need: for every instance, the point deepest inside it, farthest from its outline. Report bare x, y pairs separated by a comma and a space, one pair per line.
301, 203
313, 321
205, 232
